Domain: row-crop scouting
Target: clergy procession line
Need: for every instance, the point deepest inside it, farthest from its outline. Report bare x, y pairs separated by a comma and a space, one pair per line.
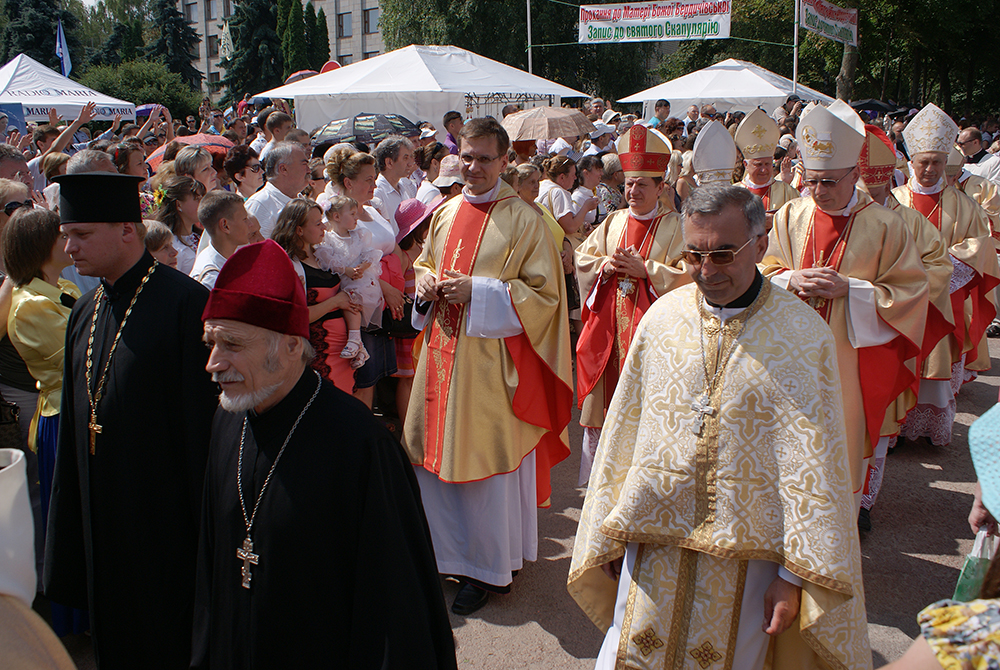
281, 412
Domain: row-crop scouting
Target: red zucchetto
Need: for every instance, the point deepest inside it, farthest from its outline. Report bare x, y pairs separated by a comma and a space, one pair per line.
258, 285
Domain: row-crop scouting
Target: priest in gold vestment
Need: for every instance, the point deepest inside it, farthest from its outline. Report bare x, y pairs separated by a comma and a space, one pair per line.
720, 498
929, 138
856, 263
757, 138
493, 385
624, 265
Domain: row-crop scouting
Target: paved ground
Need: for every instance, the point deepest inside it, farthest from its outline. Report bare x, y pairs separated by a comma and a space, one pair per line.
911, 558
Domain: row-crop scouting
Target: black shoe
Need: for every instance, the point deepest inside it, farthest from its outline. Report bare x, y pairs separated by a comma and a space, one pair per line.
469, 599
993, 330
864, 520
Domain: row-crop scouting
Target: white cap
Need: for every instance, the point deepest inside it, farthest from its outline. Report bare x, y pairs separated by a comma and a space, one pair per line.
427, 132
714, 158
930, 130
830, 138
600, 128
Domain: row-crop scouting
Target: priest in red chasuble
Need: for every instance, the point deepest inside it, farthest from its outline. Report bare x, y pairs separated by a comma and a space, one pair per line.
494, 380
856, 263
623, 267
757, 138
964, 227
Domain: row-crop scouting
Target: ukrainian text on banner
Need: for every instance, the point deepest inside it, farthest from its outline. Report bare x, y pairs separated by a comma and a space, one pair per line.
655, 21
831, 21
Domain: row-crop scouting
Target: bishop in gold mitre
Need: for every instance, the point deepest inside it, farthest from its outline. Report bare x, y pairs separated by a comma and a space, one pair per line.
623, 267
856, 264
721, 493
877, 163
929, 138
757, 138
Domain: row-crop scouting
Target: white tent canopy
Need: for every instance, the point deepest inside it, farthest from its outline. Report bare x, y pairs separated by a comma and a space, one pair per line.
419, 82
732, 86
38, 89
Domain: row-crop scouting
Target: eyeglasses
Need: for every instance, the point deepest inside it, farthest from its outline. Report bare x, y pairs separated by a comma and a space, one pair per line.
969, 141
718, 257
469, 159
255, 168
14, 205
826, 183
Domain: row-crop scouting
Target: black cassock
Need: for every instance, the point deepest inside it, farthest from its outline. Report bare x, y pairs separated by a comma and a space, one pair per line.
345, 574
123, 523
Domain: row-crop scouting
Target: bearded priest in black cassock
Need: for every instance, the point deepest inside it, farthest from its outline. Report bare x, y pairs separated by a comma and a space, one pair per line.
314, 550
133, 435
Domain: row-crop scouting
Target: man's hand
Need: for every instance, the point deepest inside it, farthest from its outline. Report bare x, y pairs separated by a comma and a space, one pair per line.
629, 262
427, 288
613, 569
979, 516
781, 606
786, 169
116, 123
86, 114
818, 283
457, 289
54, 118
39, 199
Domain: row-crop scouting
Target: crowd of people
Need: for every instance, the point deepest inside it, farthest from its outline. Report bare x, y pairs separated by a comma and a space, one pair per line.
752, 310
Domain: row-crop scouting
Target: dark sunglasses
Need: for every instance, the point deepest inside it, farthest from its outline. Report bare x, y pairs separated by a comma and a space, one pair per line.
718, 257
14, 205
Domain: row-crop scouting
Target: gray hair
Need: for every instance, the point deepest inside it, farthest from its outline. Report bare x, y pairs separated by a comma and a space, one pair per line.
713, 200
279, 155
274, 346
188, 158
90, 160
389, 148
9, 152
612, 164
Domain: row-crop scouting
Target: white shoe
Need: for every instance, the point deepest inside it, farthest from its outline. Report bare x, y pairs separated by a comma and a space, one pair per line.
360, 359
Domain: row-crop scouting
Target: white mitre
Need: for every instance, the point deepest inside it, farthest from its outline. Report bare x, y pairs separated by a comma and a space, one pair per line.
956, 161
930, 130
830, 138
757, 135
714, 158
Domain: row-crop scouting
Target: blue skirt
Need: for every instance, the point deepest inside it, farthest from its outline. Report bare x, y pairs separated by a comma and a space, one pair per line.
381, 361
65, 620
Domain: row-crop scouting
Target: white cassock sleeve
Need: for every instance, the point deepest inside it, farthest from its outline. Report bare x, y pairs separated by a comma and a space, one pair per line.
865, 328
781, 279
491, 313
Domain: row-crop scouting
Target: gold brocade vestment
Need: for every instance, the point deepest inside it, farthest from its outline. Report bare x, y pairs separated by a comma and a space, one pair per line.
766, 478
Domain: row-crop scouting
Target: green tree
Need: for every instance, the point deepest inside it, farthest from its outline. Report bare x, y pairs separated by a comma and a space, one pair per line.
320, 44
124, 44
141, 82
177, 43
284, 7
293, 44
257, 63
31, 30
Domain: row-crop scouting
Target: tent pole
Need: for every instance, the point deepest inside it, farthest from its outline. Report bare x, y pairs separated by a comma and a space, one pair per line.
528, 3
795, 52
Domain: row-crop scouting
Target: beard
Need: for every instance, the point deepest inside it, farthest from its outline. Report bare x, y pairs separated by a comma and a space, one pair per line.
237, 404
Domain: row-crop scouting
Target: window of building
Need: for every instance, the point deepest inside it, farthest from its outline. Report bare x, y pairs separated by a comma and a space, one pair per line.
227, 8
370, 20
213, 45
345, 59
214, 81
344, 25
369, 54
191, 12
211, 10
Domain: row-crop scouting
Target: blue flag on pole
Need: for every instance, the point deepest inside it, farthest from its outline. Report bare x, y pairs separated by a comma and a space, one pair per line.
62, 50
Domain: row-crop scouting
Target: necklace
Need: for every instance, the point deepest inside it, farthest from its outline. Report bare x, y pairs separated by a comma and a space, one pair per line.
703, 405
94, 397
245, 552
627, 284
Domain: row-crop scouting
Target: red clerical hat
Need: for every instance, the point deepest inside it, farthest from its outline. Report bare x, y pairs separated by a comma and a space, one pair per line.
258, 285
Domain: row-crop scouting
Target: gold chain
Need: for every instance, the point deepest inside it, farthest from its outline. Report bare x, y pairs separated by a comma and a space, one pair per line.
94, 397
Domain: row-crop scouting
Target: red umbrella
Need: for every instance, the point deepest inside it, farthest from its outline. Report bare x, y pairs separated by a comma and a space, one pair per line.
301, 74
216, 145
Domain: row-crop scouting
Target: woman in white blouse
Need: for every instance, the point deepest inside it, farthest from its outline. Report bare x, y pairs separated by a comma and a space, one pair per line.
554, 193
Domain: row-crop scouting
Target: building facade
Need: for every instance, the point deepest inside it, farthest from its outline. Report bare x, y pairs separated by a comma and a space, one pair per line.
353, 26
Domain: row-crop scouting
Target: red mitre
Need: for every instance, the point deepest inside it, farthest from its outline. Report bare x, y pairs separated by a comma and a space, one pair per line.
258, 285
643, 152
878, 157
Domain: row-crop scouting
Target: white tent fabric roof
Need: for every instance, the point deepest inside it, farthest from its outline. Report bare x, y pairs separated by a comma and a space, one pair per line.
37, 88
731, 85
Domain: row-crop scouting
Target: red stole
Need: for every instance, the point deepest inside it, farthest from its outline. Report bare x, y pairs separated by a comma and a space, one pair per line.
881, 369
764, 193
608, 326
541, 398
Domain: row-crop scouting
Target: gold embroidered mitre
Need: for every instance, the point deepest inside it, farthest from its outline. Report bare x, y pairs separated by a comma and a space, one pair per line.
956, 159
757, 135
830, 138
930, 130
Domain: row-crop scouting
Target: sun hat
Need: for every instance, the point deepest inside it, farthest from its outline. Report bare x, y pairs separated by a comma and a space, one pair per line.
411, 212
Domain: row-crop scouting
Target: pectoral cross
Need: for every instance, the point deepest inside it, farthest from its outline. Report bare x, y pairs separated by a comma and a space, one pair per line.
94, 430
245, 554
704, 409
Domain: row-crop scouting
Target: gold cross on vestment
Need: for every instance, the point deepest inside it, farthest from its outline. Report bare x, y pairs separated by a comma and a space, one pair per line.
245, 554
704, 409
94, 430
759, 131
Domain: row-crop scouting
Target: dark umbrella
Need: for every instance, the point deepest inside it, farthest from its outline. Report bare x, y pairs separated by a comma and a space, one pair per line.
873, 105
216, 145
364, 127
300, 75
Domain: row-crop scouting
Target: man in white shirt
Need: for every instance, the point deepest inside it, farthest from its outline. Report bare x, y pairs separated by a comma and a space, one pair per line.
227, 226
394, 158
977, 160
287, 170
600, 139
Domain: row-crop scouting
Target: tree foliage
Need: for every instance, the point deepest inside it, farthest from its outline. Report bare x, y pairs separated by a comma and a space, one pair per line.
320, 44
31, 30
283, 8
177, 42
141, 82
124, 44
293, 44
257, 63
